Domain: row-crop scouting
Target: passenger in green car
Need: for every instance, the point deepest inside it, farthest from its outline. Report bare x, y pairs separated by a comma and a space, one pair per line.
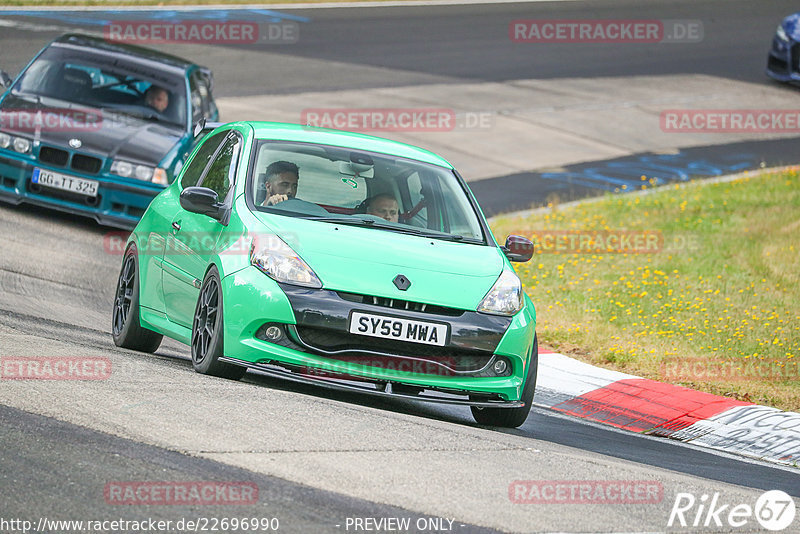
384, 206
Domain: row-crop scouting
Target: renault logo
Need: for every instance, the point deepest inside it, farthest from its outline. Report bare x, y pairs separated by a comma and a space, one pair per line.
401, 282
75, 143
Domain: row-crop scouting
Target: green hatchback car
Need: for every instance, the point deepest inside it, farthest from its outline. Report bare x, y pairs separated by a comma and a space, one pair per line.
335, 258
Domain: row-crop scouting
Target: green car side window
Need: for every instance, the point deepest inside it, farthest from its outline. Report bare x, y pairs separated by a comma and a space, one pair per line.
201, 158
222, 171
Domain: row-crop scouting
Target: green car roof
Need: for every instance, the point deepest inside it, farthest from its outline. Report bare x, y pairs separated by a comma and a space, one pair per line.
325, 136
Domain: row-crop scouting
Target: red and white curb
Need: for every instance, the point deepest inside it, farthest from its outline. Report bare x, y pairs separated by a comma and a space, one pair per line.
650, 407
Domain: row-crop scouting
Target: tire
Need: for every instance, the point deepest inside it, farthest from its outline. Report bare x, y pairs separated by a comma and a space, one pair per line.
207, 330
513, 417
126, 329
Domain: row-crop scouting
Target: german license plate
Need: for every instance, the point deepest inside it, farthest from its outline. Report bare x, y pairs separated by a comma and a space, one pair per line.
64, 182
367, 324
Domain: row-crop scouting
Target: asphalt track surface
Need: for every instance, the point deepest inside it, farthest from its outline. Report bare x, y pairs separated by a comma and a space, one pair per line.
318, 456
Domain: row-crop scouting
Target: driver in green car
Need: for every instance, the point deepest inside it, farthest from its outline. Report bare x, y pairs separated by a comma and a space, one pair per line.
281, 184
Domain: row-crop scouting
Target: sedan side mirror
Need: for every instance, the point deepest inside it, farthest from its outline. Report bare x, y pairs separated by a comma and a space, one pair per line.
201, 200
517, 248
5, 80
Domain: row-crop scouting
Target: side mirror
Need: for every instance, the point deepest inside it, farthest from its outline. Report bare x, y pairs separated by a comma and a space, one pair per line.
202, 126
517, 248
5, 80
201, 200
199, 127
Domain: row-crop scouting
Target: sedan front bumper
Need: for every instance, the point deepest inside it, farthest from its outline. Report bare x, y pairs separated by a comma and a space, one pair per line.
117, 204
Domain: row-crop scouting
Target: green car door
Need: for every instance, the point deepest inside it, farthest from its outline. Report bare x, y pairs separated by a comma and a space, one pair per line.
194, 238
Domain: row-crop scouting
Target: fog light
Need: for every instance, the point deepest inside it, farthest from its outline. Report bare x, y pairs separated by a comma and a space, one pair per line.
500, 367
273, 333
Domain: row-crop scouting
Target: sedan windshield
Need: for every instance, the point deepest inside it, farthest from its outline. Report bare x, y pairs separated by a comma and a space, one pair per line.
115, 85
358, 188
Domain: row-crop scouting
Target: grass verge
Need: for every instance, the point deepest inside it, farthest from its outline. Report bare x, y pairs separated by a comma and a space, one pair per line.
697, 285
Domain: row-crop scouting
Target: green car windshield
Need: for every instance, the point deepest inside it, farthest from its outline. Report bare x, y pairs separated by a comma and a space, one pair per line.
354, 187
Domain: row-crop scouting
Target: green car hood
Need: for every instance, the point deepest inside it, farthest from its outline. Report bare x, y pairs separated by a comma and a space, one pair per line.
366, 261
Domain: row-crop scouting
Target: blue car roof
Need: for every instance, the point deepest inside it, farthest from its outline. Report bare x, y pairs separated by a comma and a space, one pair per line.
138, 52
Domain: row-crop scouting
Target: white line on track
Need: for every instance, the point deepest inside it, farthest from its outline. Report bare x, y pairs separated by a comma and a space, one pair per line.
32, 27
738, 457
314, 5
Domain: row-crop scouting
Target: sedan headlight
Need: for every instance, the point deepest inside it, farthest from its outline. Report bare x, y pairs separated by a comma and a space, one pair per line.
122, 168
145, 173
781, 33
505, 297
278, 261
22, 145
18, 144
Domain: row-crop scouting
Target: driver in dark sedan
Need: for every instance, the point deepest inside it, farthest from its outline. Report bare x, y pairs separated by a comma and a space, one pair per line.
157, 98
281, 184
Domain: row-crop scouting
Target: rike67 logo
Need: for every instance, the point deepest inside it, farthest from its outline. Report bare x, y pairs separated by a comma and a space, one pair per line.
774, 510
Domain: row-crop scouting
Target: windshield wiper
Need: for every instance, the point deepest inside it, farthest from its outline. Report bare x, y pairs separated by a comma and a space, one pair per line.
354, 221
371, 223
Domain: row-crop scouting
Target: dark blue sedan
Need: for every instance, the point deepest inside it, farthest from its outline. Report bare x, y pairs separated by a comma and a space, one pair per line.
98, 129
783, 62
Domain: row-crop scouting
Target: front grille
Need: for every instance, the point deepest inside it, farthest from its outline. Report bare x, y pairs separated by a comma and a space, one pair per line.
352, 347
795, 55
777, 65
55, 156
87, 164
399, 304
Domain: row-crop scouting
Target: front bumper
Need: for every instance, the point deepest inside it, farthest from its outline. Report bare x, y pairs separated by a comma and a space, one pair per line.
117, 204
316, 345
783, 61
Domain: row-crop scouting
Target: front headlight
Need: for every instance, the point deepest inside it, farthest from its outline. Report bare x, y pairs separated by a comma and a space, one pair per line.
144, 173
18, 144
781, 33
505, 297
278, 261
22, 145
